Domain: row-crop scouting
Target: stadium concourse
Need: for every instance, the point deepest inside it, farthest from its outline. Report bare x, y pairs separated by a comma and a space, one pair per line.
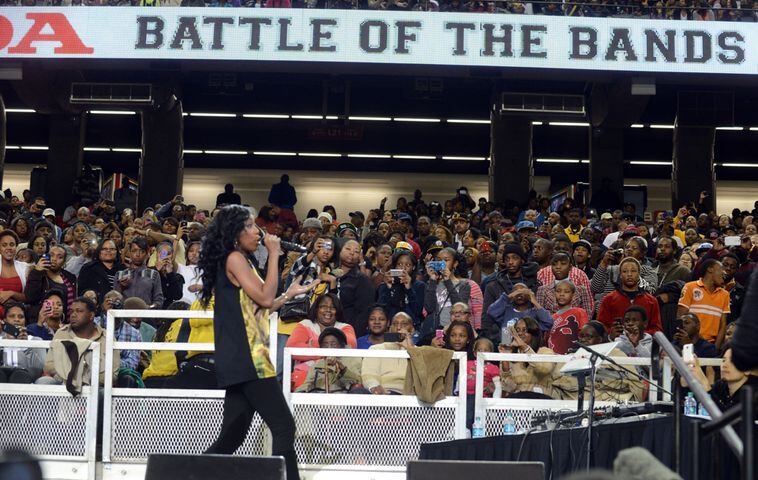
363, 239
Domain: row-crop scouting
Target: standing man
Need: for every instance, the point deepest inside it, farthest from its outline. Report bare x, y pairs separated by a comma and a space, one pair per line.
229, 197
283, 195
707, 299
668, 269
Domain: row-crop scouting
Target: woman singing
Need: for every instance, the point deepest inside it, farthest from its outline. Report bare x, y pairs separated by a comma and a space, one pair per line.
241, 309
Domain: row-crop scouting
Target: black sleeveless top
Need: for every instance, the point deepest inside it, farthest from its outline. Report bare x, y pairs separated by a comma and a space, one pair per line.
241, 330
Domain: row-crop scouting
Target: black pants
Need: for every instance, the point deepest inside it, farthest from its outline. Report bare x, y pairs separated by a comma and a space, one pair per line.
240, 404
15, 375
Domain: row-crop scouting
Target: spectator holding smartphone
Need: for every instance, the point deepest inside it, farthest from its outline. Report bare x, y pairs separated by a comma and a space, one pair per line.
138, 280
49, 274
50, 316
172, 283
688, 332
18, 364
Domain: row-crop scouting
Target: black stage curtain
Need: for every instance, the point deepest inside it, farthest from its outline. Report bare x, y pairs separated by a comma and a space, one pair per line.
564, 451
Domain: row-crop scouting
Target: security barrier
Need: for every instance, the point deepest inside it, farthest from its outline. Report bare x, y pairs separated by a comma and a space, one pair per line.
45, 420
352, 433
382, 431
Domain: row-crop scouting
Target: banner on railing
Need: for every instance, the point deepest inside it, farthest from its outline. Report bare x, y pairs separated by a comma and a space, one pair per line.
359, 36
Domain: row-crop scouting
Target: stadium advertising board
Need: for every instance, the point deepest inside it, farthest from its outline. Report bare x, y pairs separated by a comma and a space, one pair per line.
364, 36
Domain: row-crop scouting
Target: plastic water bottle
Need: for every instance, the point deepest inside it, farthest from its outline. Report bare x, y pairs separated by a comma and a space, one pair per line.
701, 411
690, 405
477, 429
509, 427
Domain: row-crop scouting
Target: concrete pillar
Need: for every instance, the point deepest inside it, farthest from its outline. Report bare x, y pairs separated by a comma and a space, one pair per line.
606, 168
161, 167
693, 170
511, 168
64, 158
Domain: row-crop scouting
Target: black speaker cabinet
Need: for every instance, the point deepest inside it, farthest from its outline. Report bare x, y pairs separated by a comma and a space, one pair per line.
214, 467
466, 470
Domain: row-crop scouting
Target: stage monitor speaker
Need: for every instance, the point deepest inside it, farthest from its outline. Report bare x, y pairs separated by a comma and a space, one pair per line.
465, 470
213, 467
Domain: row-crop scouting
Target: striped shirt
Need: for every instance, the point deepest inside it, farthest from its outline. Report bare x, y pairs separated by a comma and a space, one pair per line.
708, 306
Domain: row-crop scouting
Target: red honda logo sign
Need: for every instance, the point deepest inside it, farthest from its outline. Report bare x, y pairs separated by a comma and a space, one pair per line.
63, 34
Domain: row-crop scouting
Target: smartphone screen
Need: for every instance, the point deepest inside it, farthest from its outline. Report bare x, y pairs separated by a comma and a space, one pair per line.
393, 337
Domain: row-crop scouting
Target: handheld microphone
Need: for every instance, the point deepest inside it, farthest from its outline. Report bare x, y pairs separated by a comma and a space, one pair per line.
292, 247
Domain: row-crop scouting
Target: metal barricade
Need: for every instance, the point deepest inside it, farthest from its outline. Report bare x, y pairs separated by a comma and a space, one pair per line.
139, 422
339, 431
493, 411
48, 422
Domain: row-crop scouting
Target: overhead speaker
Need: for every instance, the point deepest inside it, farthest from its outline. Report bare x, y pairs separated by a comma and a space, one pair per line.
116, 94
214, 467
705, 109
466, 470
539, 103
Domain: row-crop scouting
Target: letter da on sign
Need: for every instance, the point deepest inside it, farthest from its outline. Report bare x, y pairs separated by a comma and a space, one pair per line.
63, 34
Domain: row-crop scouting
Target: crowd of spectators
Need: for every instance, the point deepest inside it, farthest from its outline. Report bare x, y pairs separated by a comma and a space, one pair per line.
462, 275
721, 10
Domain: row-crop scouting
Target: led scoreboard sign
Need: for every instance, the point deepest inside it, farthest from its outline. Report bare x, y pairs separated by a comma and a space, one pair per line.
363, 36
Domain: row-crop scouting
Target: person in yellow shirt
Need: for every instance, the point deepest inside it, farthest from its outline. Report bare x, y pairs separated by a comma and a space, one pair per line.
183, 369
574, 229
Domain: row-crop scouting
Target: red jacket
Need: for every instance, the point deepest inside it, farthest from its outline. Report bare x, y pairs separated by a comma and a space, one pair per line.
615, 304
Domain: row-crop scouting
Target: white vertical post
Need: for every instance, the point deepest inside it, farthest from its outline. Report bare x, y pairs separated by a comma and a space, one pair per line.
273, 337
92, 409
108, 385
287, 377
479, 390
460, 419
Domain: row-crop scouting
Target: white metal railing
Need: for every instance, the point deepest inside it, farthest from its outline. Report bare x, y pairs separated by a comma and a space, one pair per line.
384, 431
396, 417
136, 424
46, 420
494, 410
330, 427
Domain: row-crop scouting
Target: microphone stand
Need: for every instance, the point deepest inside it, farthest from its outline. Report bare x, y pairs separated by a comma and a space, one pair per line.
594, 355
610, 360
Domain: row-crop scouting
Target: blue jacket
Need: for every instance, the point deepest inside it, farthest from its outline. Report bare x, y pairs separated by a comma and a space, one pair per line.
502, 311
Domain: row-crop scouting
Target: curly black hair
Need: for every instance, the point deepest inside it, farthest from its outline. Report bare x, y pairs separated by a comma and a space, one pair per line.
219, 242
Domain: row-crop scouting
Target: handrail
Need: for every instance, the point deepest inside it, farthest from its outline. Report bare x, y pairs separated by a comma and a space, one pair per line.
90, 441
460, 357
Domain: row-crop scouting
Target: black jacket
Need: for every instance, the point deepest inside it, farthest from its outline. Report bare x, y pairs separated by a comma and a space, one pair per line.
97, 277
38, 283
356, 293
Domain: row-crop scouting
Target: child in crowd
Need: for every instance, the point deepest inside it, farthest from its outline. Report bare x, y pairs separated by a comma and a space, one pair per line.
491, 370
567, 321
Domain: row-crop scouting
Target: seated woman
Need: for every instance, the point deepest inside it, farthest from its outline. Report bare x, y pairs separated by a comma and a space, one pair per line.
613, 387
377, 326
332, 374
326, 311
18, 364
386, 376
528, 379
726, 391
